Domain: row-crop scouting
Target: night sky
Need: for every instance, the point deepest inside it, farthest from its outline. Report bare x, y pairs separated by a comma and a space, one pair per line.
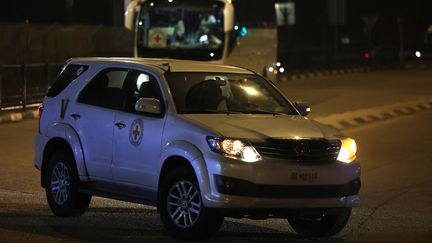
417, 14
250, 12
95, 12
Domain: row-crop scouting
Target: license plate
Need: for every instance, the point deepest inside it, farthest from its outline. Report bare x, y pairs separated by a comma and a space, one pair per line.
304, 176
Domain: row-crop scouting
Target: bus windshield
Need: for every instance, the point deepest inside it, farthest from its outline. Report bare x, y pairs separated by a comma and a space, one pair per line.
181, 29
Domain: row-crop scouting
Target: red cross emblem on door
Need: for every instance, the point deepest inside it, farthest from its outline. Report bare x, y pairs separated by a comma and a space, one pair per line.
136, 132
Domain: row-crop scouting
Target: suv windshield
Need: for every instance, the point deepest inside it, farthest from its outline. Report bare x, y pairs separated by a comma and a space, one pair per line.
226, 93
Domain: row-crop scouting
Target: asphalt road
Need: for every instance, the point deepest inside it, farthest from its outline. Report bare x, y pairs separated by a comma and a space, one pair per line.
396, 197
340, 93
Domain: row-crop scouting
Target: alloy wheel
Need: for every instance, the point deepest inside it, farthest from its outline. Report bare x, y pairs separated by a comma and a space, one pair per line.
184, 204
60, 183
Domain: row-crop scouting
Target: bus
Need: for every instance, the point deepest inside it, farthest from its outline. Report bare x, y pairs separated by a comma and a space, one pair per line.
183, 29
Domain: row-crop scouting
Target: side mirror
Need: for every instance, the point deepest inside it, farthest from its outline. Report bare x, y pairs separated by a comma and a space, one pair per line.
302, 107
148, 105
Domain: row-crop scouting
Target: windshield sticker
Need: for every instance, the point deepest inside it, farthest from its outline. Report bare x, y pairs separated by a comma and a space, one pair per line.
136, 132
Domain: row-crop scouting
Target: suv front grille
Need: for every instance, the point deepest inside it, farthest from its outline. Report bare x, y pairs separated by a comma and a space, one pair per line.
313, 151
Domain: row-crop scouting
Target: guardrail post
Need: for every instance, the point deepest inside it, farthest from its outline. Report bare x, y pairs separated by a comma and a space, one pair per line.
24, 90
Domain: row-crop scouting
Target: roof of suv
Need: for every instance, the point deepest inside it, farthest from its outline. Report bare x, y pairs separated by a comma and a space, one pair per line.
163, 64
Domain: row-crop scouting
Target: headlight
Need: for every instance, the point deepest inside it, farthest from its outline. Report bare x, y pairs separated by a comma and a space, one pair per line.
347, 151
234, 149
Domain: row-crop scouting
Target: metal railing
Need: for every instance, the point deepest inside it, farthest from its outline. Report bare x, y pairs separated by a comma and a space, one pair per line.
24, 85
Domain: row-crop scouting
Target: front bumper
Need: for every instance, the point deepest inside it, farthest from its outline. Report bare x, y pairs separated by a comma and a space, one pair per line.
280, 184
237, 187
241, 202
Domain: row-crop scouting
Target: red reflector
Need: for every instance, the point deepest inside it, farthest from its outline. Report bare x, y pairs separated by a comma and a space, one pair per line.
366, 55
40, 110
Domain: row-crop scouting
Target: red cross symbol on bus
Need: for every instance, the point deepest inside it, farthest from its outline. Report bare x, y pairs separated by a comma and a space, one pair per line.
157, 38
136, 132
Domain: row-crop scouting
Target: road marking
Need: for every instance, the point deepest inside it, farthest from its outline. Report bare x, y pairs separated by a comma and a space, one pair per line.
9, 194
368, 115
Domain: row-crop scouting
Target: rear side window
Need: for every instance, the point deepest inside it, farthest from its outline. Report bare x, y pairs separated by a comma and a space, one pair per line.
106, 89
69, 74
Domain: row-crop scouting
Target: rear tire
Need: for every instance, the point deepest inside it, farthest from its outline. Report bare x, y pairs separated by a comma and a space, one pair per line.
181, 209
324, 226
61, 180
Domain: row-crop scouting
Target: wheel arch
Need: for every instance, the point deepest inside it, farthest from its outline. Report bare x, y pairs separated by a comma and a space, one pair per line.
53, 145
64, 137
172, 163
182, 154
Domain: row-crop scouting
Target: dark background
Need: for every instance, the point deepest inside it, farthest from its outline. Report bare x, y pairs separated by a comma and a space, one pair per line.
252, 12
97, 12
311, 41
417, 14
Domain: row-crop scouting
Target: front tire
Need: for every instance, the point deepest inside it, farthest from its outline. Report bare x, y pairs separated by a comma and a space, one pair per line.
61, 180
181, 209
323, 226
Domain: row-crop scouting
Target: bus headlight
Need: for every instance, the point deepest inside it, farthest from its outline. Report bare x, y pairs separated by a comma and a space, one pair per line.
348, 150
234, 149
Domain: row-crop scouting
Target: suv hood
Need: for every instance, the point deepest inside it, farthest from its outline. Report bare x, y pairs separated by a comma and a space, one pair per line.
263, 126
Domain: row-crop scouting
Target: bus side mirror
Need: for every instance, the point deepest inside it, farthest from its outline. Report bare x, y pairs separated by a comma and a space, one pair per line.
241, 31
234, 38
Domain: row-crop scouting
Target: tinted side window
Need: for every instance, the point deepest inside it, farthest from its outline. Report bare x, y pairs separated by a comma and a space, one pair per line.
141, 85
69, 74
106, 89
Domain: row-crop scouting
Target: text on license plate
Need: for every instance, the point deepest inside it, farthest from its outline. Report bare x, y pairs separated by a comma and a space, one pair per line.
304, 176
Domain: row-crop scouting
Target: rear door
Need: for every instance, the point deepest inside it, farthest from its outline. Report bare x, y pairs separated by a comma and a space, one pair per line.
93, 118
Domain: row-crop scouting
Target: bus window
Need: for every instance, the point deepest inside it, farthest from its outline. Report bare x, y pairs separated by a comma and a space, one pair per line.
183, 30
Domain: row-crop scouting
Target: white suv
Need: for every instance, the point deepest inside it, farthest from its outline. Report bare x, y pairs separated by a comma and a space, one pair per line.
199, 141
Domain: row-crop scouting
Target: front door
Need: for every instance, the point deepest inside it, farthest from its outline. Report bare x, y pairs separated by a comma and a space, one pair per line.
137, 136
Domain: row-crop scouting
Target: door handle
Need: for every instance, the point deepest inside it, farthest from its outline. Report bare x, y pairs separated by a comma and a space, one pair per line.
120, 125
76, 116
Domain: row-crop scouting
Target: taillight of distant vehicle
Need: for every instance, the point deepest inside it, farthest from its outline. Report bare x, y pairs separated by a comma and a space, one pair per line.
366, 55
40, 110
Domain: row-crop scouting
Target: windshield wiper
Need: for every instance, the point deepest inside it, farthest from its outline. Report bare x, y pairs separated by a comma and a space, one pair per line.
264, 112
212, 111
